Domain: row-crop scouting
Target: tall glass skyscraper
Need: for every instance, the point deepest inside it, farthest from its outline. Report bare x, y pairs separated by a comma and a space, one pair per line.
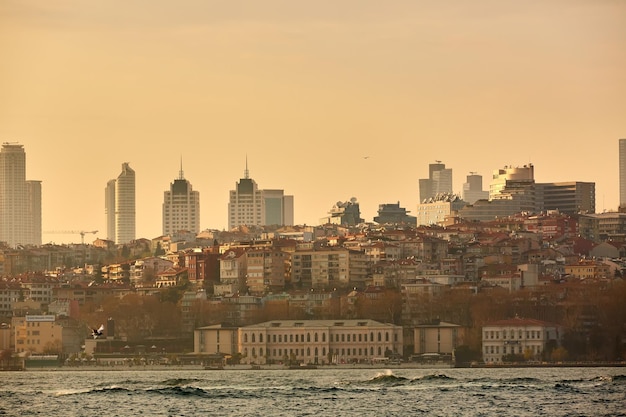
622, 173
20, 200
119, 205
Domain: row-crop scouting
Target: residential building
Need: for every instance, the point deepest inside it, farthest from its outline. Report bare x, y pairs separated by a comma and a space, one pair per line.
602, 226
319, 341
120, 206
181, 207
265, 270
326, 267
519, 336
20, 200
473, 189
233, 269
439, 181
249, 206
588, 269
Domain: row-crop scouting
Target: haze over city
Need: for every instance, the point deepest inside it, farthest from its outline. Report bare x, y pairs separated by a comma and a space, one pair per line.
324, 100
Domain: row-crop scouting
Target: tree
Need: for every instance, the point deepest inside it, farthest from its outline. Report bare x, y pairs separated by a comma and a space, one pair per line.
559, 354
159, 251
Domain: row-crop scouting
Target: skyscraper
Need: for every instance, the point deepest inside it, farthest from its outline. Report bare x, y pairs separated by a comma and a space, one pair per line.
253, 207
439, 181
181, 207
20, 200
473, 189
119, 202
622, 173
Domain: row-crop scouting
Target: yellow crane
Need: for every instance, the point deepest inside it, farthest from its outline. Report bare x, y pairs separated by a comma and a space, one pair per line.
82, 233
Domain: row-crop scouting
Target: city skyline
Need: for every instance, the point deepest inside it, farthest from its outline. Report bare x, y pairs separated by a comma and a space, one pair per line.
328, 101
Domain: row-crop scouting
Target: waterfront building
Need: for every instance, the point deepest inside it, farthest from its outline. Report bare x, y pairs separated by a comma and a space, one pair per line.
20, 200
216, 339
35, 333
319, 341
181, 207
518, 336
439, 181
119, 203
437, 337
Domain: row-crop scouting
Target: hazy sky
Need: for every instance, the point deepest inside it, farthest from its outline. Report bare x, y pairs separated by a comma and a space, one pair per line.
305, 90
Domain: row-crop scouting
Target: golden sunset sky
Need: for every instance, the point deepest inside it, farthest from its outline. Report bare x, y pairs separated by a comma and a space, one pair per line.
305, 90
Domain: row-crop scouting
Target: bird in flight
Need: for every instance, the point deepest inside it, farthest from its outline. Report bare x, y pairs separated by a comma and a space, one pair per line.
97, 332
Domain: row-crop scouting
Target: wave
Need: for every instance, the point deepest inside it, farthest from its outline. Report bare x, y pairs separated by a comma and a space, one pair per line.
433, 377
386, 377
187, 391
179, 381
105, 390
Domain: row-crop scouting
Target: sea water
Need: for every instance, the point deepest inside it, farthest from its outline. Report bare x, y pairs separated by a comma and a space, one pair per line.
316, 392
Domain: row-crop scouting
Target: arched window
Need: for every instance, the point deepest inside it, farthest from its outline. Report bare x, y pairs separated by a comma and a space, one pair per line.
261, 337
379, 351
316, 352
308, 351
323, 337
371, 336
253, 338
324, 351
253, 352
245, 338
308, 337
386, 336
379, 337
315, 338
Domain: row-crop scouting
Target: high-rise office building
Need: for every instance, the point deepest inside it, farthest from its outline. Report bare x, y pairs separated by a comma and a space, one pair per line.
119, 202
253, 207
574, 197
20, 200
181, 207
622, 173
439, 181
473, 189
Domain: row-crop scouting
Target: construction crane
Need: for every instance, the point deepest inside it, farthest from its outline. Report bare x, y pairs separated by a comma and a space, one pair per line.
82, 233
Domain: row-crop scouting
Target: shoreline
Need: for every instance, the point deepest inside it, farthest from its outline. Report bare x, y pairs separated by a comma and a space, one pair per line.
256, 368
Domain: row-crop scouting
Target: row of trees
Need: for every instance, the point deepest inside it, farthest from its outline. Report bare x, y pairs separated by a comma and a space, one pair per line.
593, 315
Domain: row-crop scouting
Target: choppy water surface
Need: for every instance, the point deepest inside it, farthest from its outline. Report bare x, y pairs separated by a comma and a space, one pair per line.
321, 392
